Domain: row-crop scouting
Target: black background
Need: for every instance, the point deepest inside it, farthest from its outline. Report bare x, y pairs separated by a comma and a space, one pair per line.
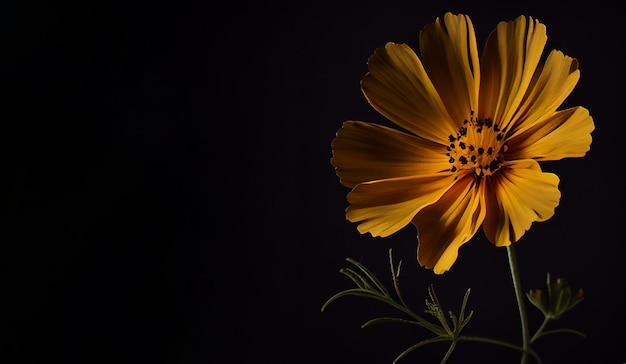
169, 196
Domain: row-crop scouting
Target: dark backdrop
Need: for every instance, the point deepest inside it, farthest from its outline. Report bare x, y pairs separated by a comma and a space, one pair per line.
169, 196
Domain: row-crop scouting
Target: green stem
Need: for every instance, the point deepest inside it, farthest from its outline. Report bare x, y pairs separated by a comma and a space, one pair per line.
526, 344
449, 352
490, 341
540, 329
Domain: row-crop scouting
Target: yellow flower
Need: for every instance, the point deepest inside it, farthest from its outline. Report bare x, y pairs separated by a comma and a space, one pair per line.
472, 134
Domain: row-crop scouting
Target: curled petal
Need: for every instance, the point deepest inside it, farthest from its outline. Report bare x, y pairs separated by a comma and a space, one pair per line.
366, 152
448, 223
398, 87
550, 87
386, 206
517, 196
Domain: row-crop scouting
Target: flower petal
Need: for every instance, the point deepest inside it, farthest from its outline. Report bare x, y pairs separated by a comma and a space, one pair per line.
450, 56
365, 152
386, 206
515, 197
399, 88
550, 87
565, 134
512, 53
447, 224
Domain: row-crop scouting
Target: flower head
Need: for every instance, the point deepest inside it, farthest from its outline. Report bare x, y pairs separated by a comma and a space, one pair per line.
471, 135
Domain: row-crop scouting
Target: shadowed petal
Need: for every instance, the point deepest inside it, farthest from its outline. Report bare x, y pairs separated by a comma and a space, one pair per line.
512, 53
398, 87
386, 206
515, 197
565, 134
447, 224
365, 152
450, 56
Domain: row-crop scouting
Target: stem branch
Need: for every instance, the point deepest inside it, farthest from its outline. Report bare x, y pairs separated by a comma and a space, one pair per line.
497, 342
540, 329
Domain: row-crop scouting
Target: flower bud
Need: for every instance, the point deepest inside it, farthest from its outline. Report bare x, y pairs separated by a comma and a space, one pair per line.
558, 300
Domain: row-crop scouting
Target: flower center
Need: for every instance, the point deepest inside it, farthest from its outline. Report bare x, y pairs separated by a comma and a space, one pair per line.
478, 146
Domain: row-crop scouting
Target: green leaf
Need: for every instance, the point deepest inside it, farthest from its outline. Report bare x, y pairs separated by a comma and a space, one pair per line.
420, 344
360, 292
369, 274
427, 325
356, 278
